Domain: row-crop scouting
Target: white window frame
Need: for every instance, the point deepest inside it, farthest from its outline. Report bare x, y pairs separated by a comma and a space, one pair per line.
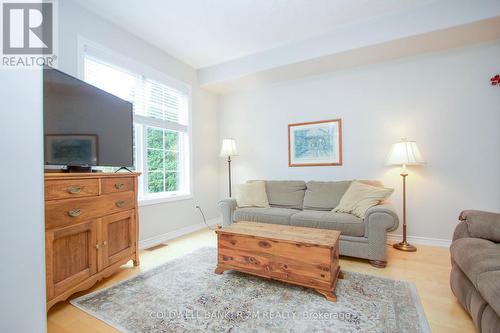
105, 54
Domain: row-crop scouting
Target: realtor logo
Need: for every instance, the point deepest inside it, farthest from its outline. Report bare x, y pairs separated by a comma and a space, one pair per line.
27, 29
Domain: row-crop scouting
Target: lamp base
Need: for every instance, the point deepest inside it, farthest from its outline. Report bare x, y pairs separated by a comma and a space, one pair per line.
405, 246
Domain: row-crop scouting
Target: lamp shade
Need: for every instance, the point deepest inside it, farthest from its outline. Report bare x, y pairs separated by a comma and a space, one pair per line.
228, 148
405, 153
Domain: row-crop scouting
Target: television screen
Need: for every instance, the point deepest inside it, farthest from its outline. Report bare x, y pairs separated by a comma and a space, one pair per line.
84, 125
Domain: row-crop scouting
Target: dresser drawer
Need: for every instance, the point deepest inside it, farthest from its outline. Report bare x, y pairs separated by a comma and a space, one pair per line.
68, 188
113, 185
69, 211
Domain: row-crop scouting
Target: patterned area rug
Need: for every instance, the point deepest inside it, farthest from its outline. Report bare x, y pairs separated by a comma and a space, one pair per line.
184, 295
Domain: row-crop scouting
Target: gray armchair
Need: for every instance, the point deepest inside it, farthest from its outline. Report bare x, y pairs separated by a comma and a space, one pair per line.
475, 273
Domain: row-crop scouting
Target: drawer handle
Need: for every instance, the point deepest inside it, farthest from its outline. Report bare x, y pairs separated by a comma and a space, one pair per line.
120, 204
75, 212
74, 189
119, 186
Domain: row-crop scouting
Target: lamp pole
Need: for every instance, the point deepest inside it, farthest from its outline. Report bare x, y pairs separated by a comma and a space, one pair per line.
229, 165
228, 149
404, 245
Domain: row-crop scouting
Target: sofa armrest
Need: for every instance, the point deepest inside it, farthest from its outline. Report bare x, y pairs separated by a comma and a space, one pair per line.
461, 231
381, 216
478, 224
227, 207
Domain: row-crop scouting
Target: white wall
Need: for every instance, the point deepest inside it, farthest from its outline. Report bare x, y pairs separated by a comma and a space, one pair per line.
443, 101
75, 22
22, 279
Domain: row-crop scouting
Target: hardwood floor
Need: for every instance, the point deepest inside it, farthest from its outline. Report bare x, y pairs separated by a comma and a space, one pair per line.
429, 268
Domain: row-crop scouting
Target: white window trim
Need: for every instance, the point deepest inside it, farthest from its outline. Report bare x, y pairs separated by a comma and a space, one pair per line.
112, 57
171, 194
154, 122
117, 59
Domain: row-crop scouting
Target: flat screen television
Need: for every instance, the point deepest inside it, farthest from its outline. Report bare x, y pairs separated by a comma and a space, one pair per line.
84, 126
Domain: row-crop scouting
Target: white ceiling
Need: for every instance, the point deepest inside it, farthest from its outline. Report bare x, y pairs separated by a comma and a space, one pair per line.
203, 33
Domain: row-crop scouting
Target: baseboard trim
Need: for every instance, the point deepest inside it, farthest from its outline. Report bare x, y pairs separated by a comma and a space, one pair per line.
156, 240
153, 241
439, 242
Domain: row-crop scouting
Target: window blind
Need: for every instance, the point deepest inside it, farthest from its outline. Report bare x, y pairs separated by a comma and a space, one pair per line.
150, 98
161, 124
111, 79
162, 102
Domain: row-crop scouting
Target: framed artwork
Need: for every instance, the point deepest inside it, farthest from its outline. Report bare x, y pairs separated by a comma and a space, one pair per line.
71, 149
317, 143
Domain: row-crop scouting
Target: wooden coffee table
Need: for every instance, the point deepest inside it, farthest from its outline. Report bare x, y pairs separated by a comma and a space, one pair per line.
304, 256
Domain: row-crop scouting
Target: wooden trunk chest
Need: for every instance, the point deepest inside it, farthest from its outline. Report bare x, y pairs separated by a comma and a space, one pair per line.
304, 256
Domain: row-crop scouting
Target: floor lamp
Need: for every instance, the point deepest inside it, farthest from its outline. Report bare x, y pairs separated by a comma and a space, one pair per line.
228, 149
405, 153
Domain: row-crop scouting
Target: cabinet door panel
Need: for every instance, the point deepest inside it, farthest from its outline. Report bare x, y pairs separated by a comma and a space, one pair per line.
71, 256
118, 233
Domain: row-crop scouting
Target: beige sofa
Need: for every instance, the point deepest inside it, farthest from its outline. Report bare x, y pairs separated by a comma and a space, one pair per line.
298, 203
475, 273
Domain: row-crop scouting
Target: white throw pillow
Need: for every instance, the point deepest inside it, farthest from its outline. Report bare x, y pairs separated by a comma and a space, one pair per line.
359, 197
252, 194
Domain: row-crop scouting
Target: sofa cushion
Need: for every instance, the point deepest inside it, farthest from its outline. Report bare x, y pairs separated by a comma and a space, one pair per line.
266, 215
489, 287
324, 195
286, 193
478, 258
376, 183
490, 321
481, 224
359, 197
251, 195
347, 224
467, 294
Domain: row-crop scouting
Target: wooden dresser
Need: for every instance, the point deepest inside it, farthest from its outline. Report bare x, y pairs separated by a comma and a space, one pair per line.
91, 229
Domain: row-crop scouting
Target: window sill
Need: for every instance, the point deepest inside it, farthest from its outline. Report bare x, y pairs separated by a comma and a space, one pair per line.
171, 198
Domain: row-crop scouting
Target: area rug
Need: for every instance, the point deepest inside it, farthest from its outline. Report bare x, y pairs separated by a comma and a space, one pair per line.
184, 295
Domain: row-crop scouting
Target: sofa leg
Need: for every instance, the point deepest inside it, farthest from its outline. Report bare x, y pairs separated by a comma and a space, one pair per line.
378, 263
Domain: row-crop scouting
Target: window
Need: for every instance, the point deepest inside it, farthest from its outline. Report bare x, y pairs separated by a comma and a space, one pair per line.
161, 132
